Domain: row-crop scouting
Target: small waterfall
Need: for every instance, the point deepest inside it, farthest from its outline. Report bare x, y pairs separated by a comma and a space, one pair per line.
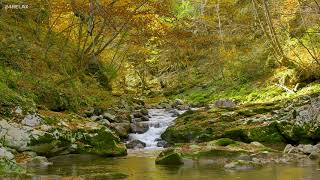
160, 119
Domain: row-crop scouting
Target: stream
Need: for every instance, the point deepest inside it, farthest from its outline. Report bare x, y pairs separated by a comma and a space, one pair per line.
140, 164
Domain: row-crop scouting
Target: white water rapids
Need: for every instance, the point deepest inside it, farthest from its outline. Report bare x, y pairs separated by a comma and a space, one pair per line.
160, 119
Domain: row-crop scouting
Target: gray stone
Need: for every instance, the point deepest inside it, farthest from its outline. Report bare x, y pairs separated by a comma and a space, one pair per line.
224, 103
136, 144
39, 161
122, 129
162, 143
4, 153
109, 117
32, 120
139, 127
242, 165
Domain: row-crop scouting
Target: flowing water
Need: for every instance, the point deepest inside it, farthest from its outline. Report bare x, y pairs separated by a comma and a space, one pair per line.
159, 121
140, 164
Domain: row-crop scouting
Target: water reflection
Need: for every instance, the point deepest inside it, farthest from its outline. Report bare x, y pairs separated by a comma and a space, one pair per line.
142, 166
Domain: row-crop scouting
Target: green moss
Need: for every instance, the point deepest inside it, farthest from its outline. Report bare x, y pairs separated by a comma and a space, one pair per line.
10, 167
224, 142
102, 142
169, 157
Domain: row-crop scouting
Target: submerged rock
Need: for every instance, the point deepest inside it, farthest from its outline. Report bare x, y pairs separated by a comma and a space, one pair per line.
38, 161
169, 157
242, 165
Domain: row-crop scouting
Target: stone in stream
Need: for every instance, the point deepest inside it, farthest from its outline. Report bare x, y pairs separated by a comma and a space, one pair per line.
169, 157
242, 165
122, 129
39, 161
136, 144
162, 143
109, 117
139, 127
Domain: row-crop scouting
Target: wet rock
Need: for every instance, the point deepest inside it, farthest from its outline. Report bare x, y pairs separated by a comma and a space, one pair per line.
183, 107
314, 155
39, 161
162, 143
174, 113
137, 114
242, 165
169, 157
109, 117
139, 127
32, 120
136, 144
244, 157
122, 129
144, 112
144, 118
288, 149
97, 176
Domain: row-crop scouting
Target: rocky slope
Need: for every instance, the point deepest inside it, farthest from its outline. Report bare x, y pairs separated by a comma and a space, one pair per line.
293, 121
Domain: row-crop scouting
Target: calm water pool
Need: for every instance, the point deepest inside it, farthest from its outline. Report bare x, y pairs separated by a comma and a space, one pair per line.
140, 166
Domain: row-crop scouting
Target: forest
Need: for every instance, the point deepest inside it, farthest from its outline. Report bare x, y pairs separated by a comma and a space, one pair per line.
235, 82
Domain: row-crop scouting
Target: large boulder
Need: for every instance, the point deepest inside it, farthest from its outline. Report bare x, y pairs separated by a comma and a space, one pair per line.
169, 157
62, 140
122, 129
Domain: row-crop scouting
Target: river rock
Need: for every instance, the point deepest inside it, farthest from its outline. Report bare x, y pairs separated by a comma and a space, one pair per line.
242, 165
139, 127
174, 113
136, 144
122, 129
169, 157
39, 161
4, 153
32, 120
109, 117
224, 103
137, 114
144, 112
162, 143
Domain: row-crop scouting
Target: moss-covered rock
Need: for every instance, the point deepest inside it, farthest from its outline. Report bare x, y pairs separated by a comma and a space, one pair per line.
10, 167
169, 157
101, 142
